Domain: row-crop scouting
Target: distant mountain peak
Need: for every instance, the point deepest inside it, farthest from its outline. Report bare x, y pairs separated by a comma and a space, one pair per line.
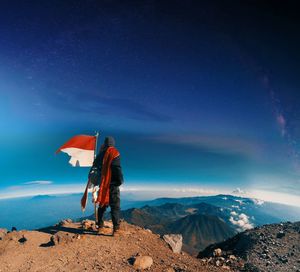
43, 197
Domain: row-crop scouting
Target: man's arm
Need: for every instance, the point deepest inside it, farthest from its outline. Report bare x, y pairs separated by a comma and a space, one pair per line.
116, 172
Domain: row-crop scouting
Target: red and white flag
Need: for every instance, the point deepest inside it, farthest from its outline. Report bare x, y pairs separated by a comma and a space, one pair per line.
81, 149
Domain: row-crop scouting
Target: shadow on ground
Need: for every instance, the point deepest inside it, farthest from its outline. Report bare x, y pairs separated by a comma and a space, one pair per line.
79, 231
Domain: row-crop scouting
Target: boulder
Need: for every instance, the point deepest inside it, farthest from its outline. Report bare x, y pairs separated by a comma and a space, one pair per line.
232, 257
142, 262
63, 238
174, 241
88, 224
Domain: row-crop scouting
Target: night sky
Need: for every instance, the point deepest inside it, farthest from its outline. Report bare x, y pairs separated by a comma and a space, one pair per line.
200, 95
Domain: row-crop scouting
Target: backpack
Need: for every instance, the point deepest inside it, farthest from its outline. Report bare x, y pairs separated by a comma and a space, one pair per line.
95, 176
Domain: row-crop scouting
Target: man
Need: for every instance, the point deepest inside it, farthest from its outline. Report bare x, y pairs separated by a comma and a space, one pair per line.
109, 165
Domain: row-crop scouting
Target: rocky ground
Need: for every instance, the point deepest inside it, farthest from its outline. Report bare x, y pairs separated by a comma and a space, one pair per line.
76, 247
274, 247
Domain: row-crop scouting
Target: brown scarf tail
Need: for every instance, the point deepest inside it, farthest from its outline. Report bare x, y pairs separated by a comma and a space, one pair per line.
84, 198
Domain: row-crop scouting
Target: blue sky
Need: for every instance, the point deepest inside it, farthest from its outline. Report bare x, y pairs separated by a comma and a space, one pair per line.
196, 95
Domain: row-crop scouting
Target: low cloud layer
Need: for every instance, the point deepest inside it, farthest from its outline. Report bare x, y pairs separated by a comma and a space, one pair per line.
215, 143
238, 191
240, 220
38, 182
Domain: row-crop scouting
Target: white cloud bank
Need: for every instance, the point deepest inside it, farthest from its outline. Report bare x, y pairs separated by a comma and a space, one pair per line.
33, 188
135, 192
38, 182
139, 192
238, 191
240, 220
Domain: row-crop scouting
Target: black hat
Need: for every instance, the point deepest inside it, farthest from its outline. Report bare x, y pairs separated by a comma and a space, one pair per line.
109, 141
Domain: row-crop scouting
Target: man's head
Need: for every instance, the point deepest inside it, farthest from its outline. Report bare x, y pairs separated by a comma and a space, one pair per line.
109, 141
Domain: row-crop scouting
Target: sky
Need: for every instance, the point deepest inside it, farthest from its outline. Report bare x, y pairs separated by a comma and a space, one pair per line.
201, 97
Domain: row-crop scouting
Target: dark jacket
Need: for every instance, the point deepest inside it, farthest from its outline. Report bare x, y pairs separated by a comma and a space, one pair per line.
116, 169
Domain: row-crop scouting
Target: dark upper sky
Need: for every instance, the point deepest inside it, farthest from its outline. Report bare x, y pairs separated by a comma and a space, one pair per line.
197, 92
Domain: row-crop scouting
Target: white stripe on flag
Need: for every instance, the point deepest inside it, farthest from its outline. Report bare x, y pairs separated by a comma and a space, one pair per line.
80, 157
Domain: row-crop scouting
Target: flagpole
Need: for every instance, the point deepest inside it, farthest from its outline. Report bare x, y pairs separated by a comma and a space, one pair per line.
97, 135
95, 204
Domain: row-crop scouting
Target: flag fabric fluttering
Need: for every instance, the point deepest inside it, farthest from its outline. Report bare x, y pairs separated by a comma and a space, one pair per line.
81, 149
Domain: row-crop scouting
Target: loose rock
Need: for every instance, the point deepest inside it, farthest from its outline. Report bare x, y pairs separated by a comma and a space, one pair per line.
88, 224
142, 262
62, 238
218, 252
280, 234
174, 241
3, 232
65, 222
169, 269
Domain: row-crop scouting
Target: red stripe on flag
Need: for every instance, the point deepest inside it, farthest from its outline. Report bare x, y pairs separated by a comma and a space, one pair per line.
80, 141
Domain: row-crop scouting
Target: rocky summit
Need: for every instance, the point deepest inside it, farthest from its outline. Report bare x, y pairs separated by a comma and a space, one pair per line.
70, 246
274, 247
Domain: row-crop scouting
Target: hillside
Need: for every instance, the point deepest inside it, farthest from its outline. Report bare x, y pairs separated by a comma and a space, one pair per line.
200, 230
274, 247
200, 224
68, 247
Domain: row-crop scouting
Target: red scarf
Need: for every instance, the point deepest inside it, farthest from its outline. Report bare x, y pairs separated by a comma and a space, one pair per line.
103, 194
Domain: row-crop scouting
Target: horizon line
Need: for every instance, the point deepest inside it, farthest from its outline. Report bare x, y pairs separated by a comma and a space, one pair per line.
149, 193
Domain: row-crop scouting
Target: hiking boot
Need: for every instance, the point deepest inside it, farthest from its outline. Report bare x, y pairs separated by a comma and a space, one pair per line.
100, 224
116, 230
101, 231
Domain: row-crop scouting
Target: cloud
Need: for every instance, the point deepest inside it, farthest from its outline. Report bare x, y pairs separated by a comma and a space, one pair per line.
258, 201
215, 143
259, 195
96, 104
36, 189
136, 192
238, 191
239, 201
26, 188
38, 182
241, 221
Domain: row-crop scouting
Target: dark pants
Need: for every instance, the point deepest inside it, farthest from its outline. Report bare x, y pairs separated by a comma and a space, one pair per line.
114, 203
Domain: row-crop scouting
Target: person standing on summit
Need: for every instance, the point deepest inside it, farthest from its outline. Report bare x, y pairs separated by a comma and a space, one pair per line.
108, 164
